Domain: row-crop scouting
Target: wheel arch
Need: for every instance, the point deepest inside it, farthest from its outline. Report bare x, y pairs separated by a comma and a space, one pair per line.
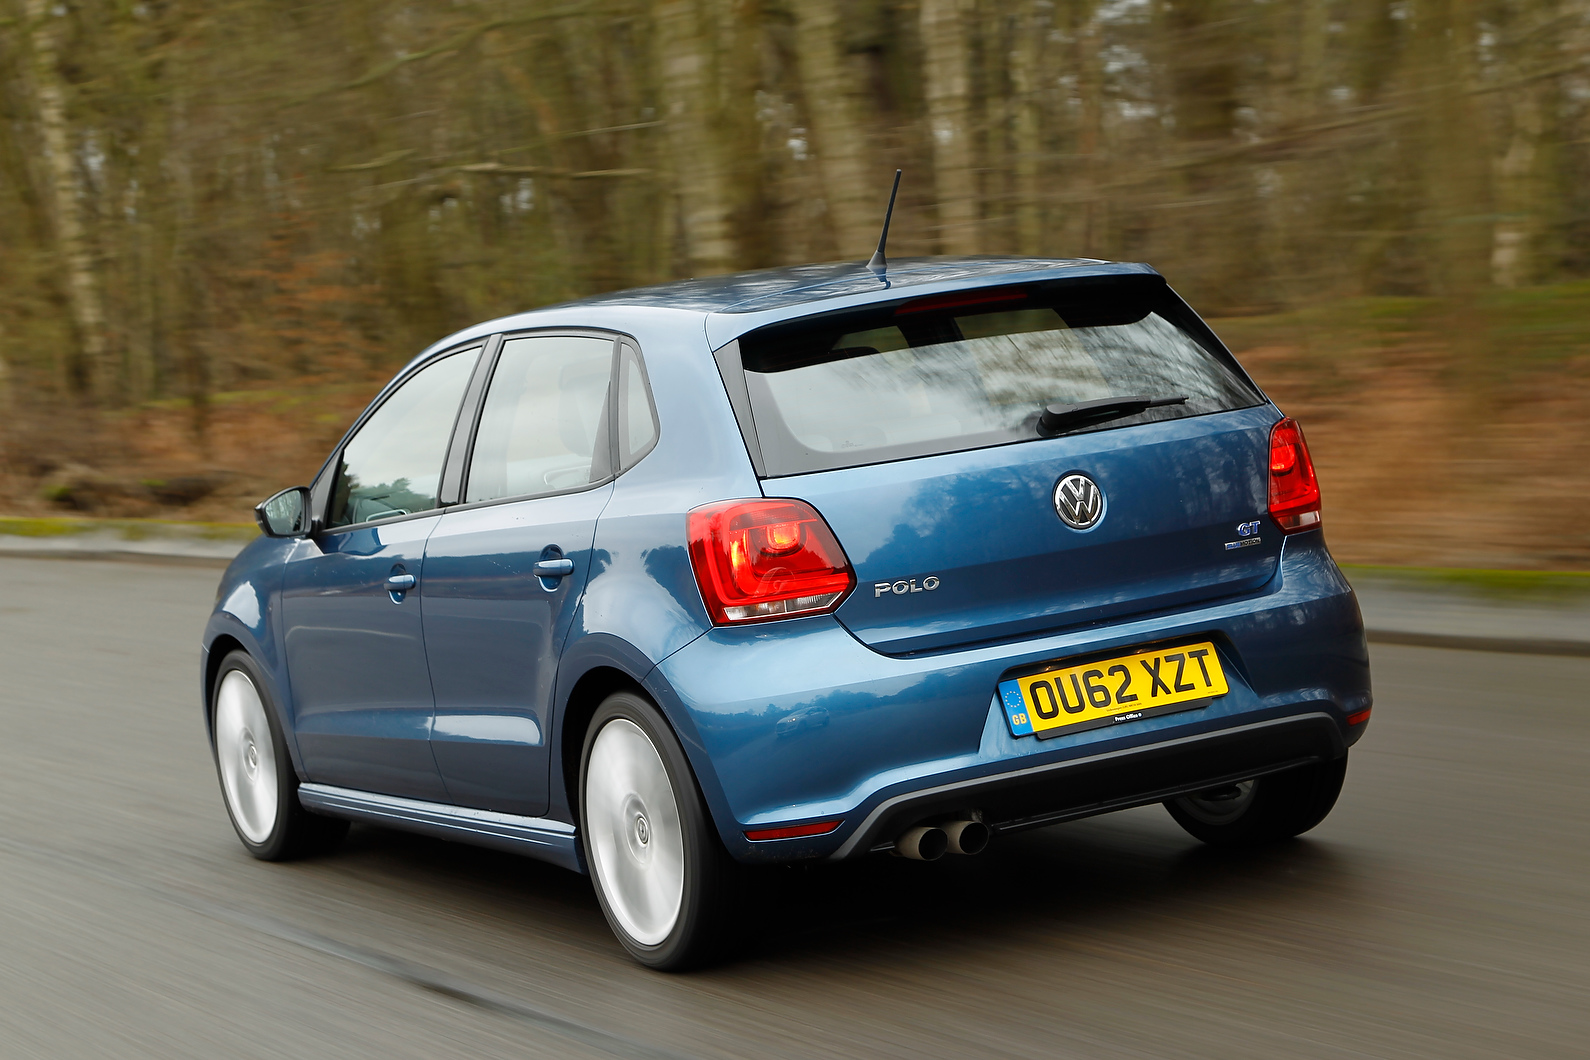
224, 635
214, 656
594, 686
591, 670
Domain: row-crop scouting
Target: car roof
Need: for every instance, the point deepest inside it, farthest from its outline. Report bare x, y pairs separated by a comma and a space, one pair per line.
765, 295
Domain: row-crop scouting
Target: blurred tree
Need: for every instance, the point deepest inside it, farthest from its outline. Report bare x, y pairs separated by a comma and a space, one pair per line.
688, 58
835, 96
90, 372
947, 87
197, 196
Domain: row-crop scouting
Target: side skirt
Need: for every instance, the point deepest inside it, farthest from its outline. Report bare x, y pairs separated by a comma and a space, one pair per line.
537, 837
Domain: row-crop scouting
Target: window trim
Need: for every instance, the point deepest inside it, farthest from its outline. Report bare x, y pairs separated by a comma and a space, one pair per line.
325, 482
732, 370
627, 346
460, 442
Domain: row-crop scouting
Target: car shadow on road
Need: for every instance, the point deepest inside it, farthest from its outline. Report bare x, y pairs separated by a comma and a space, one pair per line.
1086, 873
1117, 872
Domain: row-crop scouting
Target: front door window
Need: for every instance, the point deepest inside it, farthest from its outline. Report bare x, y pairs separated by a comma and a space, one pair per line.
393, 465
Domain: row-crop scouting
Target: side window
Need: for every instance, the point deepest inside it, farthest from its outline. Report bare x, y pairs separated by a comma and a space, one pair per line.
637, 427
393, 465
544, 427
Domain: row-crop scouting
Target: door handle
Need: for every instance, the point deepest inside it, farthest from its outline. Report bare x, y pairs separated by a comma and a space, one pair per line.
553, 568
400, 583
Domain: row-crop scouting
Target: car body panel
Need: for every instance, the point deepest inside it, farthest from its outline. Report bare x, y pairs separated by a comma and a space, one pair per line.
976, 538
248, 613
800, 721
493, 632
356, 659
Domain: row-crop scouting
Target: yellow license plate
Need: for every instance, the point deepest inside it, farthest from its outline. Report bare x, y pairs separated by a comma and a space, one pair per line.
1111, 691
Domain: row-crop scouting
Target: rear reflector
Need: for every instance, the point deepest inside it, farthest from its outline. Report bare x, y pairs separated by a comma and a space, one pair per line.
757, 560
1360, 717
794, 831
1294, 491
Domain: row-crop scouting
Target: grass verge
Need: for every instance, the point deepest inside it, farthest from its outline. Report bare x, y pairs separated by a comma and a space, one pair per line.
126, 529
1520, 586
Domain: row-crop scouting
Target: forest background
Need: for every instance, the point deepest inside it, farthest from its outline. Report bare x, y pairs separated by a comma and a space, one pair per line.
223, 223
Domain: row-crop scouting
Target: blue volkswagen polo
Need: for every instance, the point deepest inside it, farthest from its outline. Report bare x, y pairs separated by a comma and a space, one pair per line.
810, 563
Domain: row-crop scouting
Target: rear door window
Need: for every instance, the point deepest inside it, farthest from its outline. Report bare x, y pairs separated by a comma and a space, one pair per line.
976, 368
544, 426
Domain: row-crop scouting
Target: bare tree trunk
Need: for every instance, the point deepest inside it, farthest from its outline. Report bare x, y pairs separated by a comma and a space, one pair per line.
545, 121
1311, 57
1511, 257
842, 147
1456, 145
737, 41
1521, 174
1032, 29
946, 85
92, 373
1290, 228
138, 267
686, 65
1090, 139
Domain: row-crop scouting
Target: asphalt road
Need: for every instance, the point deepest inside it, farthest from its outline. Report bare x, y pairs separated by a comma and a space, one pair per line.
1443, 910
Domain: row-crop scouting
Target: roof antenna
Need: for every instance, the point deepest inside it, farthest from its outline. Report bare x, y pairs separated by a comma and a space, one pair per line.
878, 263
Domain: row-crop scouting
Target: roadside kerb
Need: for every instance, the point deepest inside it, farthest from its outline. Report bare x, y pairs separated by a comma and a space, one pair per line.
141, 540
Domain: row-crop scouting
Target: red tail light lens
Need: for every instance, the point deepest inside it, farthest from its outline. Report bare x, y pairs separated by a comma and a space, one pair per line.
763, 559
1294, 491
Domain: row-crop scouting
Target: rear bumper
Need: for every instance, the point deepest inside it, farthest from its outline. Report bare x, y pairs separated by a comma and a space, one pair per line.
796, 722
1114, 780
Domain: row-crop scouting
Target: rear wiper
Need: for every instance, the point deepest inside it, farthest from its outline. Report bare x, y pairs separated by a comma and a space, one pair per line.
1059, 418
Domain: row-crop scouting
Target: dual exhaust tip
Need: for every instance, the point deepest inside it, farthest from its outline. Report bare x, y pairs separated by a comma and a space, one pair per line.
931, 842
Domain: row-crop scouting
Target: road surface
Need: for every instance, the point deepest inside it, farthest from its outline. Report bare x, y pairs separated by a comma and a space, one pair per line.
1443, 910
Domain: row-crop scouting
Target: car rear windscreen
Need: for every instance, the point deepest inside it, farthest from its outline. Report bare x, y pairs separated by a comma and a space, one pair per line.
976, 368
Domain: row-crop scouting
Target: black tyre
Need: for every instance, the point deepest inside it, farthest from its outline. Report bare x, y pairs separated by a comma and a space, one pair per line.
258, 783
665, 883
1265, 809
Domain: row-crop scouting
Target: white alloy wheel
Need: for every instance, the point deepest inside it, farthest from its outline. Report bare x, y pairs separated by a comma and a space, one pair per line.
634, 838
247, 757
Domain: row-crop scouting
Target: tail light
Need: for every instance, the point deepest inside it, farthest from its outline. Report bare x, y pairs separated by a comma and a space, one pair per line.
763, 559
1294, 491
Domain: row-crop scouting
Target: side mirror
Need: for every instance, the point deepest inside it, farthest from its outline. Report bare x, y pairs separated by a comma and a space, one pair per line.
284, 515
